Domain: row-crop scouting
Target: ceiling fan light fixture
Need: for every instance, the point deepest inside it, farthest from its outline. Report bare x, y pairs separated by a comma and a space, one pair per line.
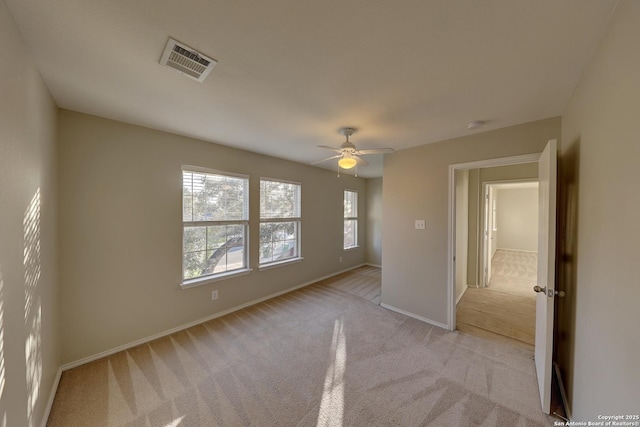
348, 155
347, 162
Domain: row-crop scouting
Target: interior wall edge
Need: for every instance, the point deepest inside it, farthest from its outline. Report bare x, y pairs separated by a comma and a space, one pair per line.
52, 396
415, 316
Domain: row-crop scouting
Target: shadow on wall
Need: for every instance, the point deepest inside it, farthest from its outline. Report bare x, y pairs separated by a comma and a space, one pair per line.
565, 312
3, 415
32, 305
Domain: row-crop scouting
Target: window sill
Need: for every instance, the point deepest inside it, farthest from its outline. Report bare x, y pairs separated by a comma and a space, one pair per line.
351, 248
280, 263
191, 283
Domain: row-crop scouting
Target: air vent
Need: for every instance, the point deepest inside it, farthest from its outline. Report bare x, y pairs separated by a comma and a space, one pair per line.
186, 60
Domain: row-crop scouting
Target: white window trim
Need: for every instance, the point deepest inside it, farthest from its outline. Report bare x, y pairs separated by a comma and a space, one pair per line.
205, 280
200, 169
357, 244
298, 258
284, 181
276, 264
298, 219
210, 278
351, 218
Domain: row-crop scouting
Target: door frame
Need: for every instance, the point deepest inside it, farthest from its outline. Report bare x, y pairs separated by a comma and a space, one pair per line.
486, 248
451, 282
485, 210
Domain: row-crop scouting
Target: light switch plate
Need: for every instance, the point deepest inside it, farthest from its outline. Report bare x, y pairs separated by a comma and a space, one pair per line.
420, 224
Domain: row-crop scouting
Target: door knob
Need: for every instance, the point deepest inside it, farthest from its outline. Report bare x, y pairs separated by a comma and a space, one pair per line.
539, 289
550, 292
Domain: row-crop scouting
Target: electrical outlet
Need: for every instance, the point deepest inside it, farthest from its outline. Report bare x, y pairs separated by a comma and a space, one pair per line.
340, 259
214, 295
420, 224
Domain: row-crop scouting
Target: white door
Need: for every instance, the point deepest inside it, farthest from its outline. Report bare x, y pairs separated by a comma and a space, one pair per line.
485, 233
489, 233
547, 169
493, 242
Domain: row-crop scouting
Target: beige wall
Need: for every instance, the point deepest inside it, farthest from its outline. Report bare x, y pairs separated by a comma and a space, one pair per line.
120, 208
598, 344
517, 218
477, 177
374, 221
29, 338
414, 274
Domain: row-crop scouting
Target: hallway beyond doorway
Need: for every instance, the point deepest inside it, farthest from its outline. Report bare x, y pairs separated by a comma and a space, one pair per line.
508, 305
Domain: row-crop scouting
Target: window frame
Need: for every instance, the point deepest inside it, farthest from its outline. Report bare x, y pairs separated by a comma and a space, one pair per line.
244, 222
353, 219
295, 219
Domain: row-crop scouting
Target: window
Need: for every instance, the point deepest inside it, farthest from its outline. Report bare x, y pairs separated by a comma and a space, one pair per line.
215, 219
350, 219
279, 221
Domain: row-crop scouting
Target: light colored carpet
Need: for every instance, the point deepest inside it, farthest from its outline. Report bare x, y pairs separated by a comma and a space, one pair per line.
514, 272
364, 282
317, 356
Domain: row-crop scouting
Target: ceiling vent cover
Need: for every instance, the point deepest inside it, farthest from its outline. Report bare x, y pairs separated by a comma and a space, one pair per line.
186, 60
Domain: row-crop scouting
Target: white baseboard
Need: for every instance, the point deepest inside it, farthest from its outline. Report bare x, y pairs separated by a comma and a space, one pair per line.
52, 396
415, 316
372, 265
462, 294
129, 345
516, 250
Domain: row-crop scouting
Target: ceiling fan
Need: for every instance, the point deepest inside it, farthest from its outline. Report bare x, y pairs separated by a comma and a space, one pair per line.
348, 153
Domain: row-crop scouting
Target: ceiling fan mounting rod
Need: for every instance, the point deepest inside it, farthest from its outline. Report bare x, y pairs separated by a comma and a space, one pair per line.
348, 146
347, 132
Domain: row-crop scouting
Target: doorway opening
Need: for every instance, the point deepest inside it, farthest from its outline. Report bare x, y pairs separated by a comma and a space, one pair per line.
465, 224
510, 227
501, 301
545, 289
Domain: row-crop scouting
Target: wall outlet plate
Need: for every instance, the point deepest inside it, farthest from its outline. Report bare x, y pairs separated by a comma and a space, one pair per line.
420, 224
214, 295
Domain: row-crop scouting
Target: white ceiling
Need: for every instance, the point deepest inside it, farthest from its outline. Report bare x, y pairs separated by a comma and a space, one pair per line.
292, 72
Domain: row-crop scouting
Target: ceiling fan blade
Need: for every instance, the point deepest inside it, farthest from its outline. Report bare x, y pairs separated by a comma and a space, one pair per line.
337, 150
377, 151
360, 161
328, 158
